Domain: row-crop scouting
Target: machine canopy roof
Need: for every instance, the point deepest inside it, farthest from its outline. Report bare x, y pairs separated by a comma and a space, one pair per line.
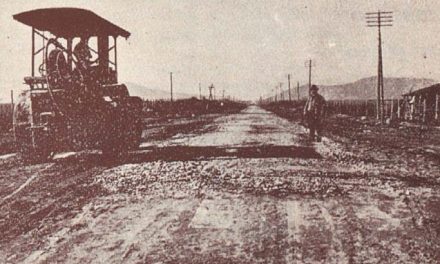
70, 22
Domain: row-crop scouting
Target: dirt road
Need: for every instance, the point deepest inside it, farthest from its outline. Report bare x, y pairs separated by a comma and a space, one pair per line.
248, 188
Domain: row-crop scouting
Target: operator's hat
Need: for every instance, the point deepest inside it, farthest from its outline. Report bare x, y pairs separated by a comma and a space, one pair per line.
314, 87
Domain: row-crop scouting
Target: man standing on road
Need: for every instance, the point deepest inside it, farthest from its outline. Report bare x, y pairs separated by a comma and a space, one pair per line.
314, 113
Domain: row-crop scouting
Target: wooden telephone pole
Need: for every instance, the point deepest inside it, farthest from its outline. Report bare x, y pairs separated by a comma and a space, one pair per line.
211, 88
309, 64
171, 85
288, 83
281, 92
310, 74
379, 19
12, 113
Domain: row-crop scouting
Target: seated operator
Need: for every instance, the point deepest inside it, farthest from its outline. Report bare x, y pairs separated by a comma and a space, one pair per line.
83, 54
84, 68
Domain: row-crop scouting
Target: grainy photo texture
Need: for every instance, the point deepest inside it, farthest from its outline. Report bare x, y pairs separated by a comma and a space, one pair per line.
219, 131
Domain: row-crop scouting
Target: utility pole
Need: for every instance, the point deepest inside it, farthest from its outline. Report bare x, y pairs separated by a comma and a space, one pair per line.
288, 83
211, 87
223, 94
297, 89
309, 64
171, 85
12, 113
379, 19
310, 74
281, 92
200, 91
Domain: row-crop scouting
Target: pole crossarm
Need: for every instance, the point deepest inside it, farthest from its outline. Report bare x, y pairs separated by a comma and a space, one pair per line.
379, 16
381, 21
378, 12
380, 25
375, 17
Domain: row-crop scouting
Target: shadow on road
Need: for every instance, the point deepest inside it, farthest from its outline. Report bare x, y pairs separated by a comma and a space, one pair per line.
185, 153
207, 152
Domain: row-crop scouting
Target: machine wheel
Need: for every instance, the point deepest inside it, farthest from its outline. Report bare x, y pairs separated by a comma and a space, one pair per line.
135, 127
114, 149
133, 136
33, 147
36, 145
117, 145
114, 145
124, 131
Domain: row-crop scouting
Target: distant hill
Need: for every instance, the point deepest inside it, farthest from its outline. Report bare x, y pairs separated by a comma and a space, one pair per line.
153, 94
366, 88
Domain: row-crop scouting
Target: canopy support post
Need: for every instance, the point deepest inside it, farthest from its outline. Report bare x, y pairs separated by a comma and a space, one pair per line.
69, 53
116, 58
33, 53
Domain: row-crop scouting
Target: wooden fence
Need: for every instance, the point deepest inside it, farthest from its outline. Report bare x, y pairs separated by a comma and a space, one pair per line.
392, 107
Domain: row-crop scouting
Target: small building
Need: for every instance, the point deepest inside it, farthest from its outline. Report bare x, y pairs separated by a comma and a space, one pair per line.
423, 104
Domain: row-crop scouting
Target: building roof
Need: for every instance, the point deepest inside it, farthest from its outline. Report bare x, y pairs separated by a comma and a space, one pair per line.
70, 22
430, 89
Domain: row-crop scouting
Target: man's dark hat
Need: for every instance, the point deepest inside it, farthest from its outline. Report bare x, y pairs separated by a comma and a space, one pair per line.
314, 87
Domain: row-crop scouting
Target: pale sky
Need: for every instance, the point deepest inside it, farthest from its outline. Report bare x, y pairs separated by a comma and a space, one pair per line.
245, 47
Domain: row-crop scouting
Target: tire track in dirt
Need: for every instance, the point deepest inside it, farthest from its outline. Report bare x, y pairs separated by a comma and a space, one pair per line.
55, 195
13, 176
336, 252
380, 226
312, 233
26, 183
427, 222
119, 234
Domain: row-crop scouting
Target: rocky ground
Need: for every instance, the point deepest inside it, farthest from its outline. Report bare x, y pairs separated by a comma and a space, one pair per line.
6, 141
397, 145
244, 188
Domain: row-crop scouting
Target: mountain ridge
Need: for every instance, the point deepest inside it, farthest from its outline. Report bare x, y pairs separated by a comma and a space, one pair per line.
154, 94
365, 88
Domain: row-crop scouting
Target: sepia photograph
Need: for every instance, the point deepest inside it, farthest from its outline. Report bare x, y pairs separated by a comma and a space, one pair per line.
220, 131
